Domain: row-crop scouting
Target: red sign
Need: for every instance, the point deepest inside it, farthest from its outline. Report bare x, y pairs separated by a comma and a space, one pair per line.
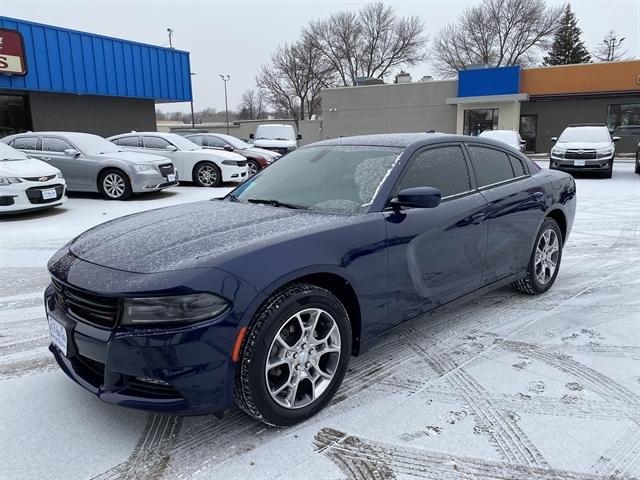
12, 60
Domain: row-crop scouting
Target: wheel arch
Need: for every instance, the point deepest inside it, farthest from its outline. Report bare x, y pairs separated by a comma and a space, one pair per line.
104, 169
558, 215
200, 162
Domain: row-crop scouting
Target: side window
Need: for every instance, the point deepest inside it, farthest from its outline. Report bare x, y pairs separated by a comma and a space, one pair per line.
128, 141
215, 142
443, 168
197, 139
491, 166
155, 142
518, 166
57, 145
25, 143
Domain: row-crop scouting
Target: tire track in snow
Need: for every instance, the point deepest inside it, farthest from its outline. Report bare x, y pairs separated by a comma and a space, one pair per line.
501, 427
354, 456
622, 459
150, 457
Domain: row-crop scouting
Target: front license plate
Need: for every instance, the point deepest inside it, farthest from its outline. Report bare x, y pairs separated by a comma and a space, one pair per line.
58, 335
171, 177
578, 163
49, 193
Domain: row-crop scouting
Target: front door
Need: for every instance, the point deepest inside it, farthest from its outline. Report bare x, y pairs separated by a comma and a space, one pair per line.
529, 131
73, 167
435, 254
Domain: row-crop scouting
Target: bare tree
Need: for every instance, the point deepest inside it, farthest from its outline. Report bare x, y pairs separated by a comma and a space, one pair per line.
251, 105
369, 43
293, 79
610, 48
496, 33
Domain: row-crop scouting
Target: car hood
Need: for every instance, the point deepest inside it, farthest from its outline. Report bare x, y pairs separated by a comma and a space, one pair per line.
137, 157
583, 145
26, 168
193, 235
269, 143
262, 151
215, 154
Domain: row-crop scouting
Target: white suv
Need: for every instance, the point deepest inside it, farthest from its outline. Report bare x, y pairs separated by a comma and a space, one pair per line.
584, 147
278, 138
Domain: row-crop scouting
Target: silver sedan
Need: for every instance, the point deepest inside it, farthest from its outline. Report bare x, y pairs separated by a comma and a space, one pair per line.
90, 163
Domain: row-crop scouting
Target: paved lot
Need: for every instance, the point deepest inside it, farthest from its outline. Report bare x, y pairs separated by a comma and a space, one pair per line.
507, 386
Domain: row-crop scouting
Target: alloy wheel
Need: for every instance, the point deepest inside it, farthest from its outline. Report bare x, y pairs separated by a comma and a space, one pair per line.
547, 253
303, 358
114, 185
207, 175
252, 168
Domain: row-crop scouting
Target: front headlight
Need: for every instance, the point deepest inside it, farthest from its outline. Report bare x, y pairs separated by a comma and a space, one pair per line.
59, 175
604, 152
144, 168
178, 309
9, 180
558, 151
235, 163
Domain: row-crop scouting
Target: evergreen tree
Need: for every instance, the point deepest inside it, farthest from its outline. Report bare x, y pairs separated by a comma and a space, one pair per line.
567, 47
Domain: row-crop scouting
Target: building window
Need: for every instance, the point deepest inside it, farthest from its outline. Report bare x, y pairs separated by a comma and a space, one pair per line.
477, 121
624, 119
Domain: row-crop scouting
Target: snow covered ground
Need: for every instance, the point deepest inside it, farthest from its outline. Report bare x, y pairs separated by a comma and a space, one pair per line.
507, 386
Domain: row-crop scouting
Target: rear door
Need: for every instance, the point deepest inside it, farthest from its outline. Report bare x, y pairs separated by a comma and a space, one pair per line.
435, 254
514, 208
73, 167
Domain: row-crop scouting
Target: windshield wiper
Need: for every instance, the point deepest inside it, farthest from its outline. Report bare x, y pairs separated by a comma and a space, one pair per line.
276, 203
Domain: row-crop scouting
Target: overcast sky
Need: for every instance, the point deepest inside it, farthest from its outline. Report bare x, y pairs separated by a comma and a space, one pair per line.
237, 37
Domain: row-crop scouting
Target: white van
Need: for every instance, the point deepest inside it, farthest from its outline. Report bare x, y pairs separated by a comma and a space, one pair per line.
276, 137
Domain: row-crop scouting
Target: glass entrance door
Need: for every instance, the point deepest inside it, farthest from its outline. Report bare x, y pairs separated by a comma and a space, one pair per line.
478, 120
14, 115
529, 131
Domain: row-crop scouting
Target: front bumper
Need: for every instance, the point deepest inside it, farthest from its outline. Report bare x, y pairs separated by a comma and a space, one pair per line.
27, 196
232, 173
151, 182
599, 164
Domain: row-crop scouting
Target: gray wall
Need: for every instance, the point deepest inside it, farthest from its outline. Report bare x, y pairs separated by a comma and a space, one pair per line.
390, 108
92, 114
555, 114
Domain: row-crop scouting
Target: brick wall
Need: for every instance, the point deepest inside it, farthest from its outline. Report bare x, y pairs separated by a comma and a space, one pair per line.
103, 116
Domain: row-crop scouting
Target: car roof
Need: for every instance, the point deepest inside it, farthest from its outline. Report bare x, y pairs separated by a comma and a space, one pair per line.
401, 140
53, 133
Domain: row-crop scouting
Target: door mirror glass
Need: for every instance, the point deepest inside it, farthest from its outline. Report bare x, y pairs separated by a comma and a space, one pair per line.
171, 148
418, 197
71, 152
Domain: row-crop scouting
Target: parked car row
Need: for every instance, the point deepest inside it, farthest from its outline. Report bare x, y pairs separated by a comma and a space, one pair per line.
117, 167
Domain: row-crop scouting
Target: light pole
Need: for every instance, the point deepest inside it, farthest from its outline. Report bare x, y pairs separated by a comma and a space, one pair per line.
193, 120
170, 32
225, 79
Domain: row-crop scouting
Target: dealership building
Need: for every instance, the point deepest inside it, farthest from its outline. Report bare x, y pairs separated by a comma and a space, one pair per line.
58, 79
539, 102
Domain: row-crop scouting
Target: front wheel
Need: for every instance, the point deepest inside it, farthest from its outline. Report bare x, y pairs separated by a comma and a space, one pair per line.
114, 185
207, 174
544, 264
252, 168
294, 356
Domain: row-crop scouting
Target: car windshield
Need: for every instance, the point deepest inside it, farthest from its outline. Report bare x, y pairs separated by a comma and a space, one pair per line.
233, 141
503, 135
181, 142
585, 134
275, 132
322, 178
8, 154
93, 144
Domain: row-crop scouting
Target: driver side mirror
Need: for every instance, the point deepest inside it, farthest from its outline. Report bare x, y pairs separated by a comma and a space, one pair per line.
554, 139
171, 148
252, 136
228, 148
417, 197
71, 152
615, 139
299, 136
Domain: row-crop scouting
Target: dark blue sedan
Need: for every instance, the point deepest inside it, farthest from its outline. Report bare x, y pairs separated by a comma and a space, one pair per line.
260, 298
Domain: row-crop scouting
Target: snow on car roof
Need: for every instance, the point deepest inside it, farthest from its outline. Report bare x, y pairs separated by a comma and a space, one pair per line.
390, 139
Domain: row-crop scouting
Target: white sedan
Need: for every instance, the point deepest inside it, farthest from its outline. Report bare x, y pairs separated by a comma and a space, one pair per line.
207, 168
27, 183
510, 137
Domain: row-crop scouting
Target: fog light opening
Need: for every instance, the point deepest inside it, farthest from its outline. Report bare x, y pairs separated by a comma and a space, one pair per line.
154, 381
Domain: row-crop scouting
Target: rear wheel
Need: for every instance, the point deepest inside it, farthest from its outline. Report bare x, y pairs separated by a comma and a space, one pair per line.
294, 356
544, 264
114, 185
207, 174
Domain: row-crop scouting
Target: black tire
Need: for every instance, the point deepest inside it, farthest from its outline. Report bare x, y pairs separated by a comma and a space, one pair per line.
207, 174
638, 167
251, 389
254, 167
114, 184
530, 283
608, 173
